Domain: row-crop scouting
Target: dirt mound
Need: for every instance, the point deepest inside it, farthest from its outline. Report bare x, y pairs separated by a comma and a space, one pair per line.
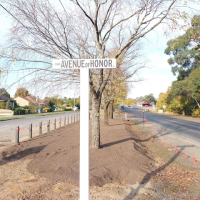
55, 156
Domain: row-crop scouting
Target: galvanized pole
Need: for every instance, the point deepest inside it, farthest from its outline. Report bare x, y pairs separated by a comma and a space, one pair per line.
143, 118
30, 130
48, 126
17, 135
55, 124
40, 128
60, 123
65, 121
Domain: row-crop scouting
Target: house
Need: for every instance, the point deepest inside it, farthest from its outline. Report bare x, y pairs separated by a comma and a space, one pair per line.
5, 99
26, 101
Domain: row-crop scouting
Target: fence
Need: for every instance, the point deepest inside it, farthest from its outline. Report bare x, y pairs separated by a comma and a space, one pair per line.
55, 123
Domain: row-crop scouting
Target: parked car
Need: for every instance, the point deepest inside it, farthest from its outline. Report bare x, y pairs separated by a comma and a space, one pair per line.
146, 104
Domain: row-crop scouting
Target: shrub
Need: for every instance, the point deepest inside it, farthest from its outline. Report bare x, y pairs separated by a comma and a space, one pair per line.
2, 105
68, 109
19, 111
63, 108
15, 104
47, 109
8, 104
27, 110
196, 113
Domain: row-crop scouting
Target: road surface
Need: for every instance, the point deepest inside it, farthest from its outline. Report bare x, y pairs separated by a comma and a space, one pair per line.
181, 132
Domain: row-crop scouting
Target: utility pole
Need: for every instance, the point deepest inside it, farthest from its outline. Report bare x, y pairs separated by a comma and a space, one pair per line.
74, 102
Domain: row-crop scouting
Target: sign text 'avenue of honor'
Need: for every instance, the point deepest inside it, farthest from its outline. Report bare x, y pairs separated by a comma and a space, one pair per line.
83, 63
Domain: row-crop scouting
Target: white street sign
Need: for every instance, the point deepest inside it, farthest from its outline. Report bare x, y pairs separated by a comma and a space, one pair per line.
85, 65
164, 106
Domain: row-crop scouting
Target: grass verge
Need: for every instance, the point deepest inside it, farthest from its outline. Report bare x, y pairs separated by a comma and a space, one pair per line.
9, 118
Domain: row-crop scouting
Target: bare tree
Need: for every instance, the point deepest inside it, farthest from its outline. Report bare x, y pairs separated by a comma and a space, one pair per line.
43, 30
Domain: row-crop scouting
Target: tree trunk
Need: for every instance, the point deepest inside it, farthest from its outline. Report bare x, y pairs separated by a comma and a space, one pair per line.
106, 105
95, 141
110, 110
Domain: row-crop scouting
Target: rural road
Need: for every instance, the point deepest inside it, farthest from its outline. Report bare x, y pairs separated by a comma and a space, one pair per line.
7, 128
181, 132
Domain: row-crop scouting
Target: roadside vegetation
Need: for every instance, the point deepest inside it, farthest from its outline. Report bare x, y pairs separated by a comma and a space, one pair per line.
183, 96
53, 105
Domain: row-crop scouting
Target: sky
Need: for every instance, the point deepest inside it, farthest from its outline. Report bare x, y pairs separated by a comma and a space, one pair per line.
157, 78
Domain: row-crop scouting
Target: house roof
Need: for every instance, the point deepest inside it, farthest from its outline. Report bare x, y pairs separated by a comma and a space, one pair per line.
31, 100
5, 98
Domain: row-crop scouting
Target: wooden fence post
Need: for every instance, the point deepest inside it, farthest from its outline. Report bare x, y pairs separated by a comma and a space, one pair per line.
40, 128
67, 119
30, 131
17, 135
74, 118
71, 119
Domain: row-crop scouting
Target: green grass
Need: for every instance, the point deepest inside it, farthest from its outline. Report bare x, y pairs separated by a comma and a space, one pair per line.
50, 113
9, 118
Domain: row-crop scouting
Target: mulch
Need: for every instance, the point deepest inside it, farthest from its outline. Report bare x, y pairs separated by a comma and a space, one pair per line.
55, 155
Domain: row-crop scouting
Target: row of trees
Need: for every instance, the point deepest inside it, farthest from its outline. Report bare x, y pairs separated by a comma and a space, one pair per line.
50, 101
85, 29
183, 96
146, 99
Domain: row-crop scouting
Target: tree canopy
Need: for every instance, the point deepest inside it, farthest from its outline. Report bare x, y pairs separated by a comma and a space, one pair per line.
184, 96
185, 50
22, 92
3, 92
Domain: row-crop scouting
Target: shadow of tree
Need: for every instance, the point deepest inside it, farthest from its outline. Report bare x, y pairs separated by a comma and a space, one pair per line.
147, 177
19, 155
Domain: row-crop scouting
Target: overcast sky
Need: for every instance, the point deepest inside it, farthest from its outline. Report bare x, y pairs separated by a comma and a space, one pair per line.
157, 78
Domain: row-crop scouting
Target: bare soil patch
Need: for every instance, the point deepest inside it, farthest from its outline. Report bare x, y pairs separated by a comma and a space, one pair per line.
47, 166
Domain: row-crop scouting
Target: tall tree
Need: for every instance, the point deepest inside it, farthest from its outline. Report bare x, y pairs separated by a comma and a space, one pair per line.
22, 92
80, 29
185, 61
3, 92
184, 51
129, 101
149, 99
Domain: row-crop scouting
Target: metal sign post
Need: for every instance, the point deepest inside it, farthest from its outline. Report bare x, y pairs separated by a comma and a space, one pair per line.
143, 118
85, 65
164, 107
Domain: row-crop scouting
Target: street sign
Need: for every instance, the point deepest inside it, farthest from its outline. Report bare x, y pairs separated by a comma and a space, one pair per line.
84, 65
164, 106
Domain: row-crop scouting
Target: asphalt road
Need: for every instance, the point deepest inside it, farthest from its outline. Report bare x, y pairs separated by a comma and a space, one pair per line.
7, 128
180, 131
